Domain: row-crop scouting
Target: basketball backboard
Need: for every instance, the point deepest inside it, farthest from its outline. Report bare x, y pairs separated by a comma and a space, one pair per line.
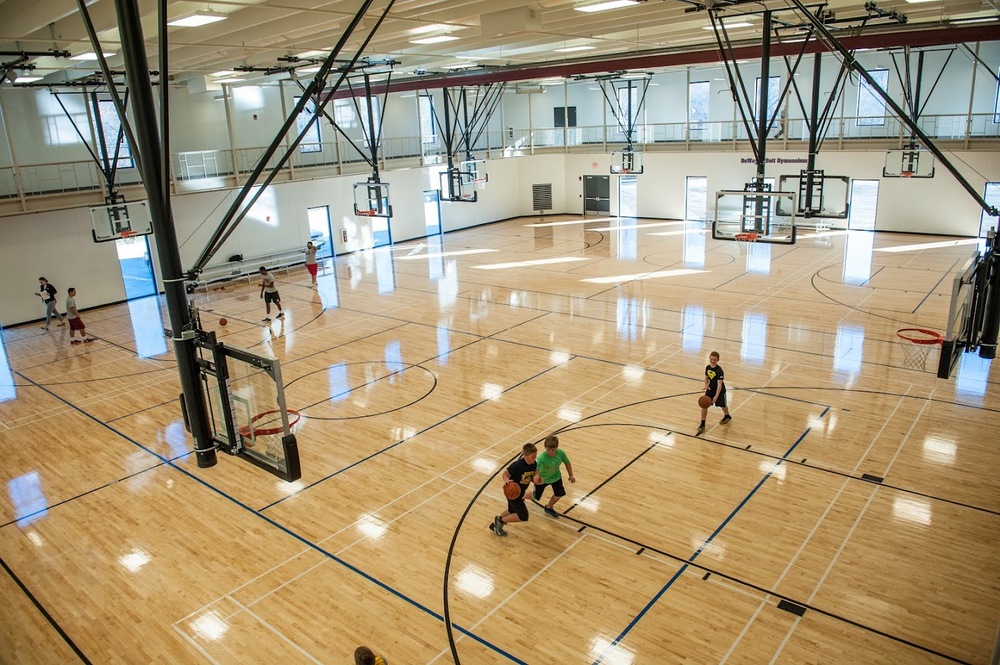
909, 163
247, 414
829, 195
459, 186
738, 212
626, 162
121, 220
371, 199
970, 298
473, 172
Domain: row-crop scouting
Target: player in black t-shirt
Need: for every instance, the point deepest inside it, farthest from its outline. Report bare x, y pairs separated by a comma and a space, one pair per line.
522, 472
715, 388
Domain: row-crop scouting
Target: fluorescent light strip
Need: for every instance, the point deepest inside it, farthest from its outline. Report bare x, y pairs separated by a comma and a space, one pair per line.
609, 4
197, 19
434, 40
571, 49
89, 55
730, 26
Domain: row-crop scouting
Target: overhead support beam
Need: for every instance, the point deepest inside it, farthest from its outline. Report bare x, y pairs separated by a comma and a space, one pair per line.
926, 140
894, 39
313, 92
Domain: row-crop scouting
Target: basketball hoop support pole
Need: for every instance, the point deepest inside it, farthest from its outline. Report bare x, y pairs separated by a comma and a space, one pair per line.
148, 153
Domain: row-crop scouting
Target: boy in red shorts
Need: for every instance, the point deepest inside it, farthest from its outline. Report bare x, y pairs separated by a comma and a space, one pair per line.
75, 322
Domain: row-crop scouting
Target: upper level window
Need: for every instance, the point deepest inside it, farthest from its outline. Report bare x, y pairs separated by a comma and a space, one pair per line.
628, 100
111, 125
871, 107
427, 132
369, 132
312, 140
996, 105
698, 104
773, 92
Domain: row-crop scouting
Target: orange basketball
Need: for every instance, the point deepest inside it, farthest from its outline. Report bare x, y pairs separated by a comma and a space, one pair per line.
704, 401
512, 491
223, 322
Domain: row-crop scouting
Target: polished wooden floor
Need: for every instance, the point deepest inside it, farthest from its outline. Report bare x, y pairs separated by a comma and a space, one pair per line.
766, 540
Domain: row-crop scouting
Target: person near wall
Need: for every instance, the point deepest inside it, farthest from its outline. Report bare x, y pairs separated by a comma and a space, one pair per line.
47, 293
311, 265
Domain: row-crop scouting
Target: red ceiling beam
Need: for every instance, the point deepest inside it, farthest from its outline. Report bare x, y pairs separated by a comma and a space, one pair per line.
889, 39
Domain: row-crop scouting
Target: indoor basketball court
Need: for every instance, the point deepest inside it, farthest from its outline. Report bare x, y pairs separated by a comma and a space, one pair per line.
847, 513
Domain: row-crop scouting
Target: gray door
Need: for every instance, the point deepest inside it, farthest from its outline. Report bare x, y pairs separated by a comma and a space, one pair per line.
597, 195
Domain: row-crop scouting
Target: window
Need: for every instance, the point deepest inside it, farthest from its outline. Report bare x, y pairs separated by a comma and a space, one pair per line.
111, 125
564, 116
996, 105
992, 196
773, 93
871, 108
427, 130
627, 95
698, 95
312, 139
364, 116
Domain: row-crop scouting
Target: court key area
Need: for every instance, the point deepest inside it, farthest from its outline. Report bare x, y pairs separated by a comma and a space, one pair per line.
848, 513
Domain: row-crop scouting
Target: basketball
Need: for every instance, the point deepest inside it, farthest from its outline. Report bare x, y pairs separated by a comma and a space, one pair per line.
223, 322
512, 491
704, 401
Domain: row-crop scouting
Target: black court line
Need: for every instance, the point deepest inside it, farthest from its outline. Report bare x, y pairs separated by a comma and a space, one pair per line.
689, 562
402, 441
48, 617
284, 529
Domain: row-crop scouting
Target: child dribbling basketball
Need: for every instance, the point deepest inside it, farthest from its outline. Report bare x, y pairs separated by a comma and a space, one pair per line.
715, 388
521, 472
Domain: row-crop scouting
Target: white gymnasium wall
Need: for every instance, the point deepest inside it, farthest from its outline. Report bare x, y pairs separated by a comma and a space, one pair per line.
58, 244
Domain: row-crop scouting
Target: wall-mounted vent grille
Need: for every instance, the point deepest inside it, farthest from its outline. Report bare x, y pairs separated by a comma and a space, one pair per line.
541, 196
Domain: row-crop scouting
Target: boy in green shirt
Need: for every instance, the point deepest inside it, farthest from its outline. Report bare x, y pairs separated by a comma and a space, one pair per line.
548, 474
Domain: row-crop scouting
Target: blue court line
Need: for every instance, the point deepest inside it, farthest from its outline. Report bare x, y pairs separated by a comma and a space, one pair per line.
701, 549
309, 544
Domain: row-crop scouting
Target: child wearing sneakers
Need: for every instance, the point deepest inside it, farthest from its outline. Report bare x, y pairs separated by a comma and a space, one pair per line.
75, 322
521, 472
715, 388
548, 474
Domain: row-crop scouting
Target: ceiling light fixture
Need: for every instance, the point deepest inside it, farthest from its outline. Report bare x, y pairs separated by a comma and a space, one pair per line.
606, 5
311, 54
433, 27
433, 40
729, 26
979, 19
571, 49
28, 79
199, 18
89, 55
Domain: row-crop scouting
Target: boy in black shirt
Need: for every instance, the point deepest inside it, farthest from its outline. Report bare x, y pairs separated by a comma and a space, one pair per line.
521, 472
715, 387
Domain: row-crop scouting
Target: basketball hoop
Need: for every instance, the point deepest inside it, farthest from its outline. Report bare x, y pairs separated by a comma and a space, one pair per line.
906, 174
365, 213
265, 430
127, 234
744, 241
480, 183
917, 344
